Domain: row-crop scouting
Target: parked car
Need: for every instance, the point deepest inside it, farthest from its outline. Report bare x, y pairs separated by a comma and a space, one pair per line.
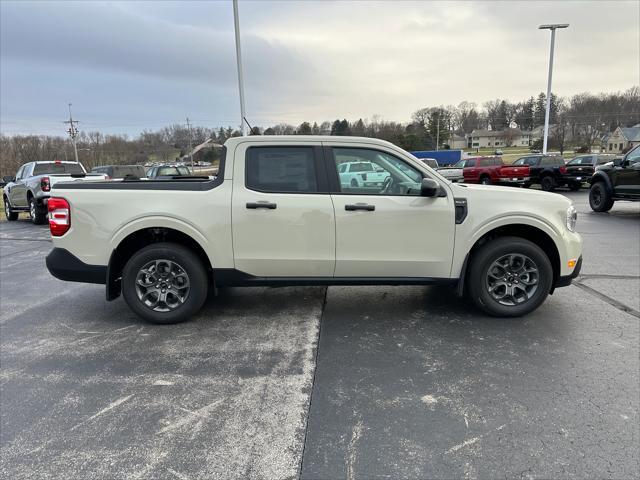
545, 170
450, 173
488, 170
619, 180
361, 174
168, 171
29, 190
579, 169
498, 152
279, 215
120, 172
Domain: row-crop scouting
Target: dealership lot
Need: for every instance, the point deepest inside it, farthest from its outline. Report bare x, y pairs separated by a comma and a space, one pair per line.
357, 382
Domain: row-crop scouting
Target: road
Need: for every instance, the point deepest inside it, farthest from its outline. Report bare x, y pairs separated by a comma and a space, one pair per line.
360, 382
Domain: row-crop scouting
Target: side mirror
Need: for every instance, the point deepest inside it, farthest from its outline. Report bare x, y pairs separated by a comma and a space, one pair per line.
625, 163
617, 162
9, 178
429, 188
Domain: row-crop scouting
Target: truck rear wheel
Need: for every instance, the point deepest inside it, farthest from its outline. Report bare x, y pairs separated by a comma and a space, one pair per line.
547, 183
164, 283
485, 180
38, 217
599, 198
10, 214
509, 277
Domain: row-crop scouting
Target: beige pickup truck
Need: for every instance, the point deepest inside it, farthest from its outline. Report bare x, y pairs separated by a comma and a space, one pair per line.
278, 214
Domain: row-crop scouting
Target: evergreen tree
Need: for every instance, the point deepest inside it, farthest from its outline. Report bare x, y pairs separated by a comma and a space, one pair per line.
304, 129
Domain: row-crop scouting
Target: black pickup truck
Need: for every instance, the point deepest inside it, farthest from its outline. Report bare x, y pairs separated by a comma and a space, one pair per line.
617, 180
545, 170
579, 169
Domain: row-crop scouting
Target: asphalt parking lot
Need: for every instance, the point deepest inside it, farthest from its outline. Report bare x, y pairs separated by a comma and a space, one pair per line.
344, 382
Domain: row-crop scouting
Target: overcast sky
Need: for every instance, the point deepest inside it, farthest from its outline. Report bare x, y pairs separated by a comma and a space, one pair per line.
132, 66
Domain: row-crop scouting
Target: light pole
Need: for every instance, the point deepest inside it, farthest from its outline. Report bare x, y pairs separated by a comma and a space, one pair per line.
236, 22
553, 27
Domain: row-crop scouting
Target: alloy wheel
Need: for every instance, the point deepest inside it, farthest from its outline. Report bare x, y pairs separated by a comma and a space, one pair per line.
512, 279
162, 285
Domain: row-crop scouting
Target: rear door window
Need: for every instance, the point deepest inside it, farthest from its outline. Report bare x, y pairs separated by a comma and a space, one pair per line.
281, 170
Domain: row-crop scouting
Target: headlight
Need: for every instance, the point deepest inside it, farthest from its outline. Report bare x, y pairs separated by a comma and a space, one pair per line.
572, 217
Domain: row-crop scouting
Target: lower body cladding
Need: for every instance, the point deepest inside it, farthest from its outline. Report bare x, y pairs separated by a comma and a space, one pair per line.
167, 283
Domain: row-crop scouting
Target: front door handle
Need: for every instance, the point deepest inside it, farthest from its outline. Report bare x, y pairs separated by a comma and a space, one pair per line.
269, 205
360, 206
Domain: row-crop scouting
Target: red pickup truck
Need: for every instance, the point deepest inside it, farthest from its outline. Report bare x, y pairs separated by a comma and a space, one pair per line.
488, 170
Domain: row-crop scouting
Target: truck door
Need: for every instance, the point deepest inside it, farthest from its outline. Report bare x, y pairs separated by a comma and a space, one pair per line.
283, 222
627, 178
18, 194
389, 230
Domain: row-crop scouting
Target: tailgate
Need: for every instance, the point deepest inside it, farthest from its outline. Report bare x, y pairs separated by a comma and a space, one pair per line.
514, 172
580, 170
53, 179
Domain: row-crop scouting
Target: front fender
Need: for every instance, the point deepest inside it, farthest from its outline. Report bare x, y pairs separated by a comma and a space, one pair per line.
602, 177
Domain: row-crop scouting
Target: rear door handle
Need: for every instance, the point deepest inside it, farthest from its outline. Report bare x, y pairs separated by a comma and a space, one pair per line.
269, 205
360, 206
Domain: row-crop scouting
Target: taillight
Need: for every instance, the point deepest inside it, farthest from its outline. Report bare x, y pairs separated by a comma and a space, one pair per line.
59, 216
563, 169
45, 184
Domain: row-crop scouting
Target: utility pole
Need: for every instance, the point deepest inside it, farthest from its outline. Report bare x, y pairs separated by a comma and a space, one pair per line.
553, 27
190, 146
438, 133
73, 132
236, 21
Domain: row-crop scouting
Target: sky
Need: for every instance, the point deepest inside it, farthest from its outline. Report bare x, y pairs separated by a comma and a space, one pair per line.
133, 66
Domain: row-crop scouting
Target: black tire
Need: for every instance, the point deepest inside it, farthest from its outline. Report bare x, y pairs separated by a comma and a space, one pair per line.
599, 198
485, 180
575, 186
548, 184
526, 185
166, 253
8, 213
38, 217
478, 278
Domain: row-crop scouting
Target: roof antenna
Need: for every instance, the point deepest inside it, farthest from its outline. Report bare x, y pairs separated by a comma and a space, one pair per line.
250, 127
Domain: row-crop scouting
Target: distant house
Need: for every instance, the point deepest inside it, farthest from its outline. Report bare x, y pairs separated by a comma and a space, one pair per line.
509, 137
623, 139
456, 142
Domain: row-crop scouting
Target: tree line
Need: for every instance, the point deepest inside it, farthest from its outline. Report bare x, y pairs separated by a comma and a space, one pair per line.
580, 120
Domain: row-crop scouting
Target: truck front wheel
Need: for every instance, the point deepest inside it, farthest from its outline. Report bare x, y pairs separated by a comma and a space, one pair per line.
10, 214
599, 198
164, 283
509, 277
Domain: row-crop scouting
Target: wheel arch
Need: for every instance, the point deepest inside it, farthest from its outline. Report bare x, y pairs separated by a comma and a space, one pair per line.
140, 238
604, 178
540, 234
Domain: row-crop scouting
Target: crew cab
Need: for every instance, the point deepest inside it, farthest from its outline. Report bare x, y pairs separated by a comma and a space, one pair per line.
617, 180
546, 170
488, 170
579, 169
278, 214
360, 174
29, 190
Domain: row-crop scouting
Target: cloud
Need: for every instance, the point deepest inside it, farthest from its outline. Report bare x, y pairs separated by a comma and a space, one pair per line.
133, 65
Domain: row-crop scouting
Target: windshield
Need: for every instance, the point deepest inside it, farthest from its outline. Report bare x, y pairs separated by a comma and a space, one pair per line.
123, 171
464, 163
526, 161
57, 169
173, 171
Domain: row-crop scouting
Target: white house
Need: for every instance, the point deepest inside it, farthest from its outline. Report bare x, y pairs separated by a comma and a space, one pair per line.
623, 139
509, 137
